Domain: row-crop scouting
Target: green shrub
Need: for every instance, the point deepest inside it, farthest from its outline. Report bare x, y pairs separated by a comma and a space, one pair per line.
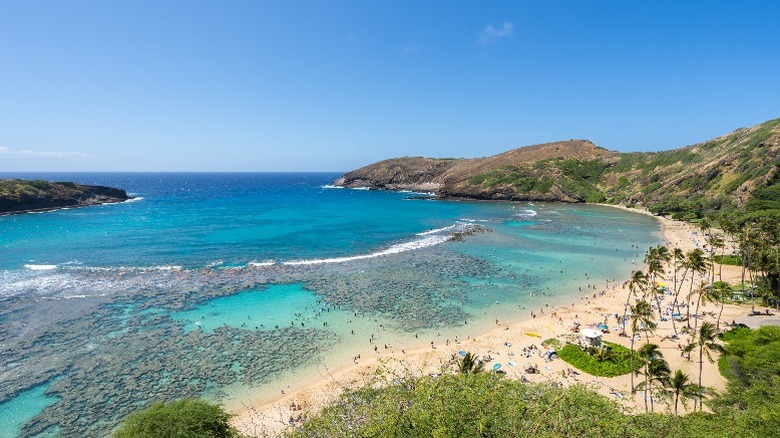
488, 405
728, 259
182, 418
551, 342
617, 365
481, 405
544, 185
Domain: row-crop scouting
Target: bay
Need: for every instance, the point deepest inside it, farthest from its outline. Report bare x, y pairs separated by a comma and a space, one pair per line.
211, 284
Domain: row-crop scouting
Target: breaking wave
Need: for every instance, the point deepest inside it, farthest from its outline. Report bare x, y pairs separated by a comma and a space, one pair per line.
429, 238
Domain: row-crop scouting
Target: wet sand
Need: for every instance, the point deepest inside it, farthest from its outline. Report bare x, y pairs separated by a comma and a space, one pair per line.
507, 343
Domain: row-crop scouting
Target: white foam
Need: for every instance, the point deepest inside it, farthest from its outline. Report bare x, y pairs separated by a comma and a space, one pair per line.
416, 193
136, 199
527, 212
41, 267
78, 296
436, 230
168, 268
330, 186
261, 264
395, 249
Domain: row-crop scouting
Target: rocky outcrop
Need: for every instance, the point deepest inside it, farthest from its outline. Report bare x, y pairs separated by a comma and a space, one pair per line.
22, 196
407, 173
455, 178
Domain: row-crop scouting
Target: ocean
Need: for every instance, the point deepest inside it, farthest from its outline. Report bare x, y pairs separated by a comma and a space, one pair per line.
225, 285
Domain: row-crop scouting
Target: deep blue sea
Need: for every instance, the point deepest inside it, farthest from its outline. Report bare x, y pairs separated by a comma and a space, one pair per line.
207, 284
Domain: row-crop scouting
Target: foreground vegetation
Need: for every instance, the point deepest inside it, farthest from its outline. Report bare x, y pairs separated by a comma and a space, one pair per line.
183, 418
487, 404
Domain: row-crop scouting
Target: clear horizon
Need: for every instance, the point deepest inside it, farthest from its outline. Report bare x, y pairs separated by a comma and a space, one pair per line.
310, 87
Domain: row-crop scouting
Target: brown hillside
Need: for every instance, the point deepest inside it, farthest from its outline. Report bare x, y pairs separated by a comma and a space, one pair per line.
525, 156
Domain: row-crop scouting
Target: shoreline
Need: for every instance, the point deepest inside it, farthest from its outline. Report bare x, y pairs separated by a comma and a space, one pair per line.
271, 414
65, 207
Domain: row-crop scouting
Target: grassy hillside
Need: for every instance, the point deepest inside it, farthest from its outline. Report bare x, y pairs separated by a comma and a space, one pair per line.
741, 169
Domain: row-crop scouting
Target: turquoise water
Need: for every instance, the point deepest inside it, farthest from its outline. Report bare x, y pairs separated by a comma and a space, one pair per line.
23, 408
280, 304
208, 285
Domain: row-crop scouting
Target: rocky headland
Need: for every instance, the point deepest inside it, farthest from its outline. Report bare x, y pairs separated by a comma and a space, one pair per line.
730, 171
24, 196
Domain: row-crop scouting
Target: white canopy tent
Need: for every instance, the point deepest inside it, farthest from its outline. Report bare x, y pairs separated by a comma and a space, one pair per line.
591, 338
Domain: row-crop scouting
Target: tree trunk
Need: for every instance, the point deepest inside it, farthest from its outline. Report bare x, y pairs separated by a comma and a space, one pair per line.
688, 301
676, 400
658, 303
625, 310
632, 364
652, 406
701, 367
647, 382
675, 303
698, 304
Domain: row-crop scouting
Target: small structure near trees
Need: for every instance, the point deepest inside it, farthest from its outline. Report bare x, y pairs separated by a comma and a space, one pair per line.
591, 338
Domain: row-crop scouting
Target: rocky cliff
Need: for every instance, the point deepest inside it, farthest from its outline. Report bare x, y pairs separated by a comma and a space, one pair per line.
20, 196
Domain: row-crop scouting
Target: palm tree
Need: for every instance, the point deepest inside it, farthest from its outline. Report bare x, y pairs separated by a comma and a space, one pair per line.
604, 353
679, 256
470, 364
679, 259
684, 264
641, 313
746, 241
656, 369
717, 293
696, 263
637, 281
659, 376
706, 341
715, 242
767, 258
706, 226
701, 293
655, 259
683, 389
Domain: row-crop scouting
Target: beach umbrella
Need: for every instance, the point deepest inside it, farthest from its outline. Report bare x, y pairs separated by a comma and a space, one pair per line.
462, 353
496, 366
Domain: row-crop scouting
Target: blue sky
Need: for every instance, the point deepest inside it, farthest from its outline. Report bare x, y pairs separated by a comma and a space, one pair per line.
334, 85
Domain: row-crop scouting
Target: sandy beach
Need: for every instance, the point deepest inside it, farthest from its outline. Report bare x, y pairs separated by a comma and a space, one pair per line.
508, 344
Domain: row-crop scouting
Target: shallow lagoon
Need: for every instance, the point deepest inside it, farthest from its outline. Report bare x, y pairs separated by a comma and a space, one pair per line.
159, 299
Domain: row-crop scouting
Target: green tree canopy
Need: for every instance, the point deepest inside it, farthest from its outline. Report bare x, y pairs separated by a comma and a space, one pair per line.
179, 419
